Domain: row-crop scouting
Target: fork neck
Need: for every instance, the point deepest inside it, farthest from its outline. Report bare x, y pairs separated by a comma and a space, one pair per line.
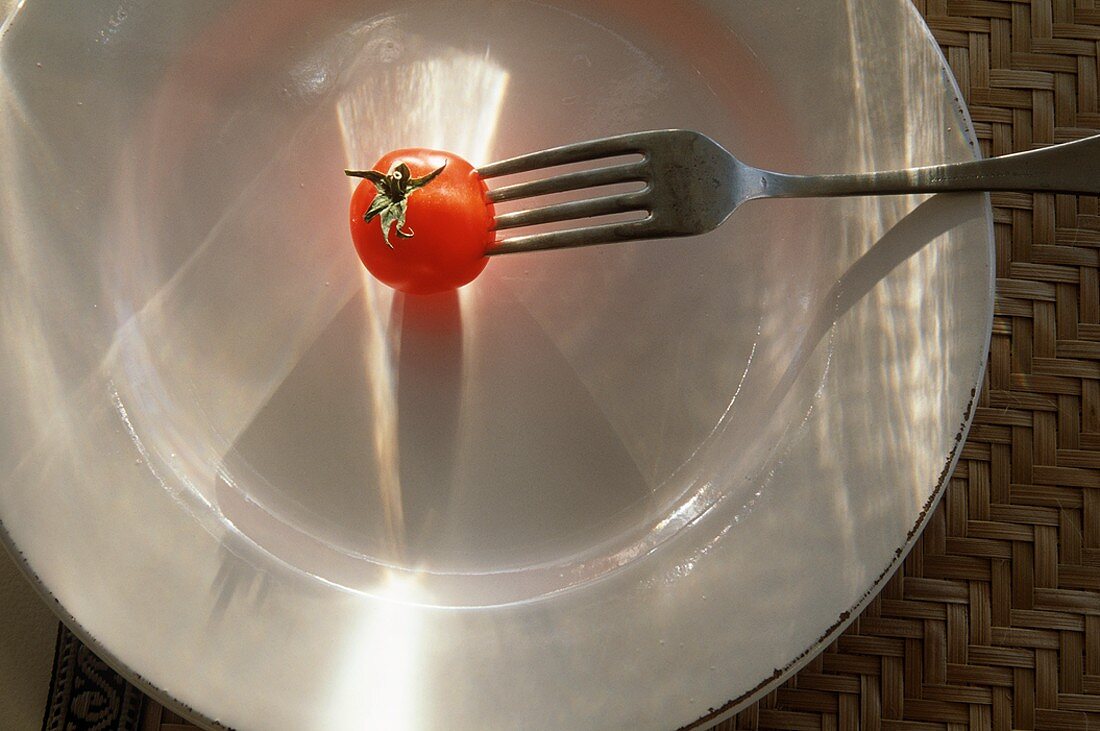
767, 184
757, 183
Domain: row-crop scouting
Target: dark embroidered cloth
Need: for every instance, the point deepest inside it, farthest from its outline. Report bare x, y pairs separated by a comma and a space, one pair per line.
85, 694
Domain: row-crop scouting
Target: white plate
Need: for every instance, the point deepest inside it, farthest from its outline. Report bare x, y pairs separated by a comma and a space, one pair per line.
615, 487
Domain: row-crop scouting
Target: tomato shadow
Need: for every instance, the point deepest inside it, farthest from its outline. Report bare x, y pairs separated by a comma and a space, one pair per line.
301, 480
429, 402
305, 479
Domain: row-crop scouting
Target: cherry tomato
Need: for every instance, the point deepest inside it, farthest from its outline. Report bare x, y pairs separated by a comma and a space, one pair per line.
421, 221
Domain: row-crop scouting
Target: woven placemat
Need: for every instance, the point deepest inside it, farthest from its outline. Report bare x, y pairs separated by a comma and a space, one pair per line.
993, 622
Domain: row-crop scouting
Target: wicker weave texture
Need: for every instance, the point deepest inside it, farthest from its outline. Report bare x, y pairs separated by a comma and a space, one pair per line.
993, 622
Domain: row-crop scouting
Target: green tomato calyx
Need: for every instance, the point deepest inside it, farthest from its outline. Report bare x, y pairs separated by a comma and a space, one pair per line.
391, 202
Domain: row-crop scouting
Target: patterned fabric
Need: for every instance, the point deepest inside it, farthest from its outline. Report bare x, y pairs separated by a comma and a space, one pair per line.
85, 694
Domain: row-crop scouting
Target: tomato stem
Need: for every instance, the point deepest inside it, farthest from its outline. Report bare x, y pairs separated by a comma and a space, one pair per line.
390, 203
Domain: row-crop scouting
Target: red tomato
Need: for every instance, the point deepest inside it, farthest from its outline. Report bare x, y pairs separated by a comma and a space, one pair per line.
440, 242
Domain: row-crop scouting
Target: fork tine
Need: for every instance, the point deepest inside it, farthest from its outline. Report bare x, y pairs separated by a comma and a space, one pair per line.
571, 181
606, 233
578, 152
588, 208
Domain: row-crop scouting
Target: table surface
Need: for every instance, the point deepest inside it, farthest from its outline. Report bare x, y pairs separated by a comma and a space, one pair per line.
994, 619
28, 631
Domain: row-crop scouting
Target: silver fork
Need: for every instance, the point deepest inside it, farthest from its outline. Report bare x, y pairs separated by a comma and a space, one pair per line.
692, 185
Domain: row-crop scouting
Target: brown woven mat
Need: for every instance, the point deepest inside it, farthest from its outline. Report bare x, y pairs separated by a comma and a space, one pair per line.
994, 619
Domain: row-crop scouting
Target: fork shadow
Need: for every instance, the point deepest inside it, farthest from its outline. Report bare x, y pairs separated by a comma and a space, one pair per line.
916, 230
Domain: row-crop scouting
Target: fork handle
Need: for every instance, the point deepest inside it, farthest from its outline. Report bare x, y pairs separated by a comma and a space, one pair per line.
1070, 167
